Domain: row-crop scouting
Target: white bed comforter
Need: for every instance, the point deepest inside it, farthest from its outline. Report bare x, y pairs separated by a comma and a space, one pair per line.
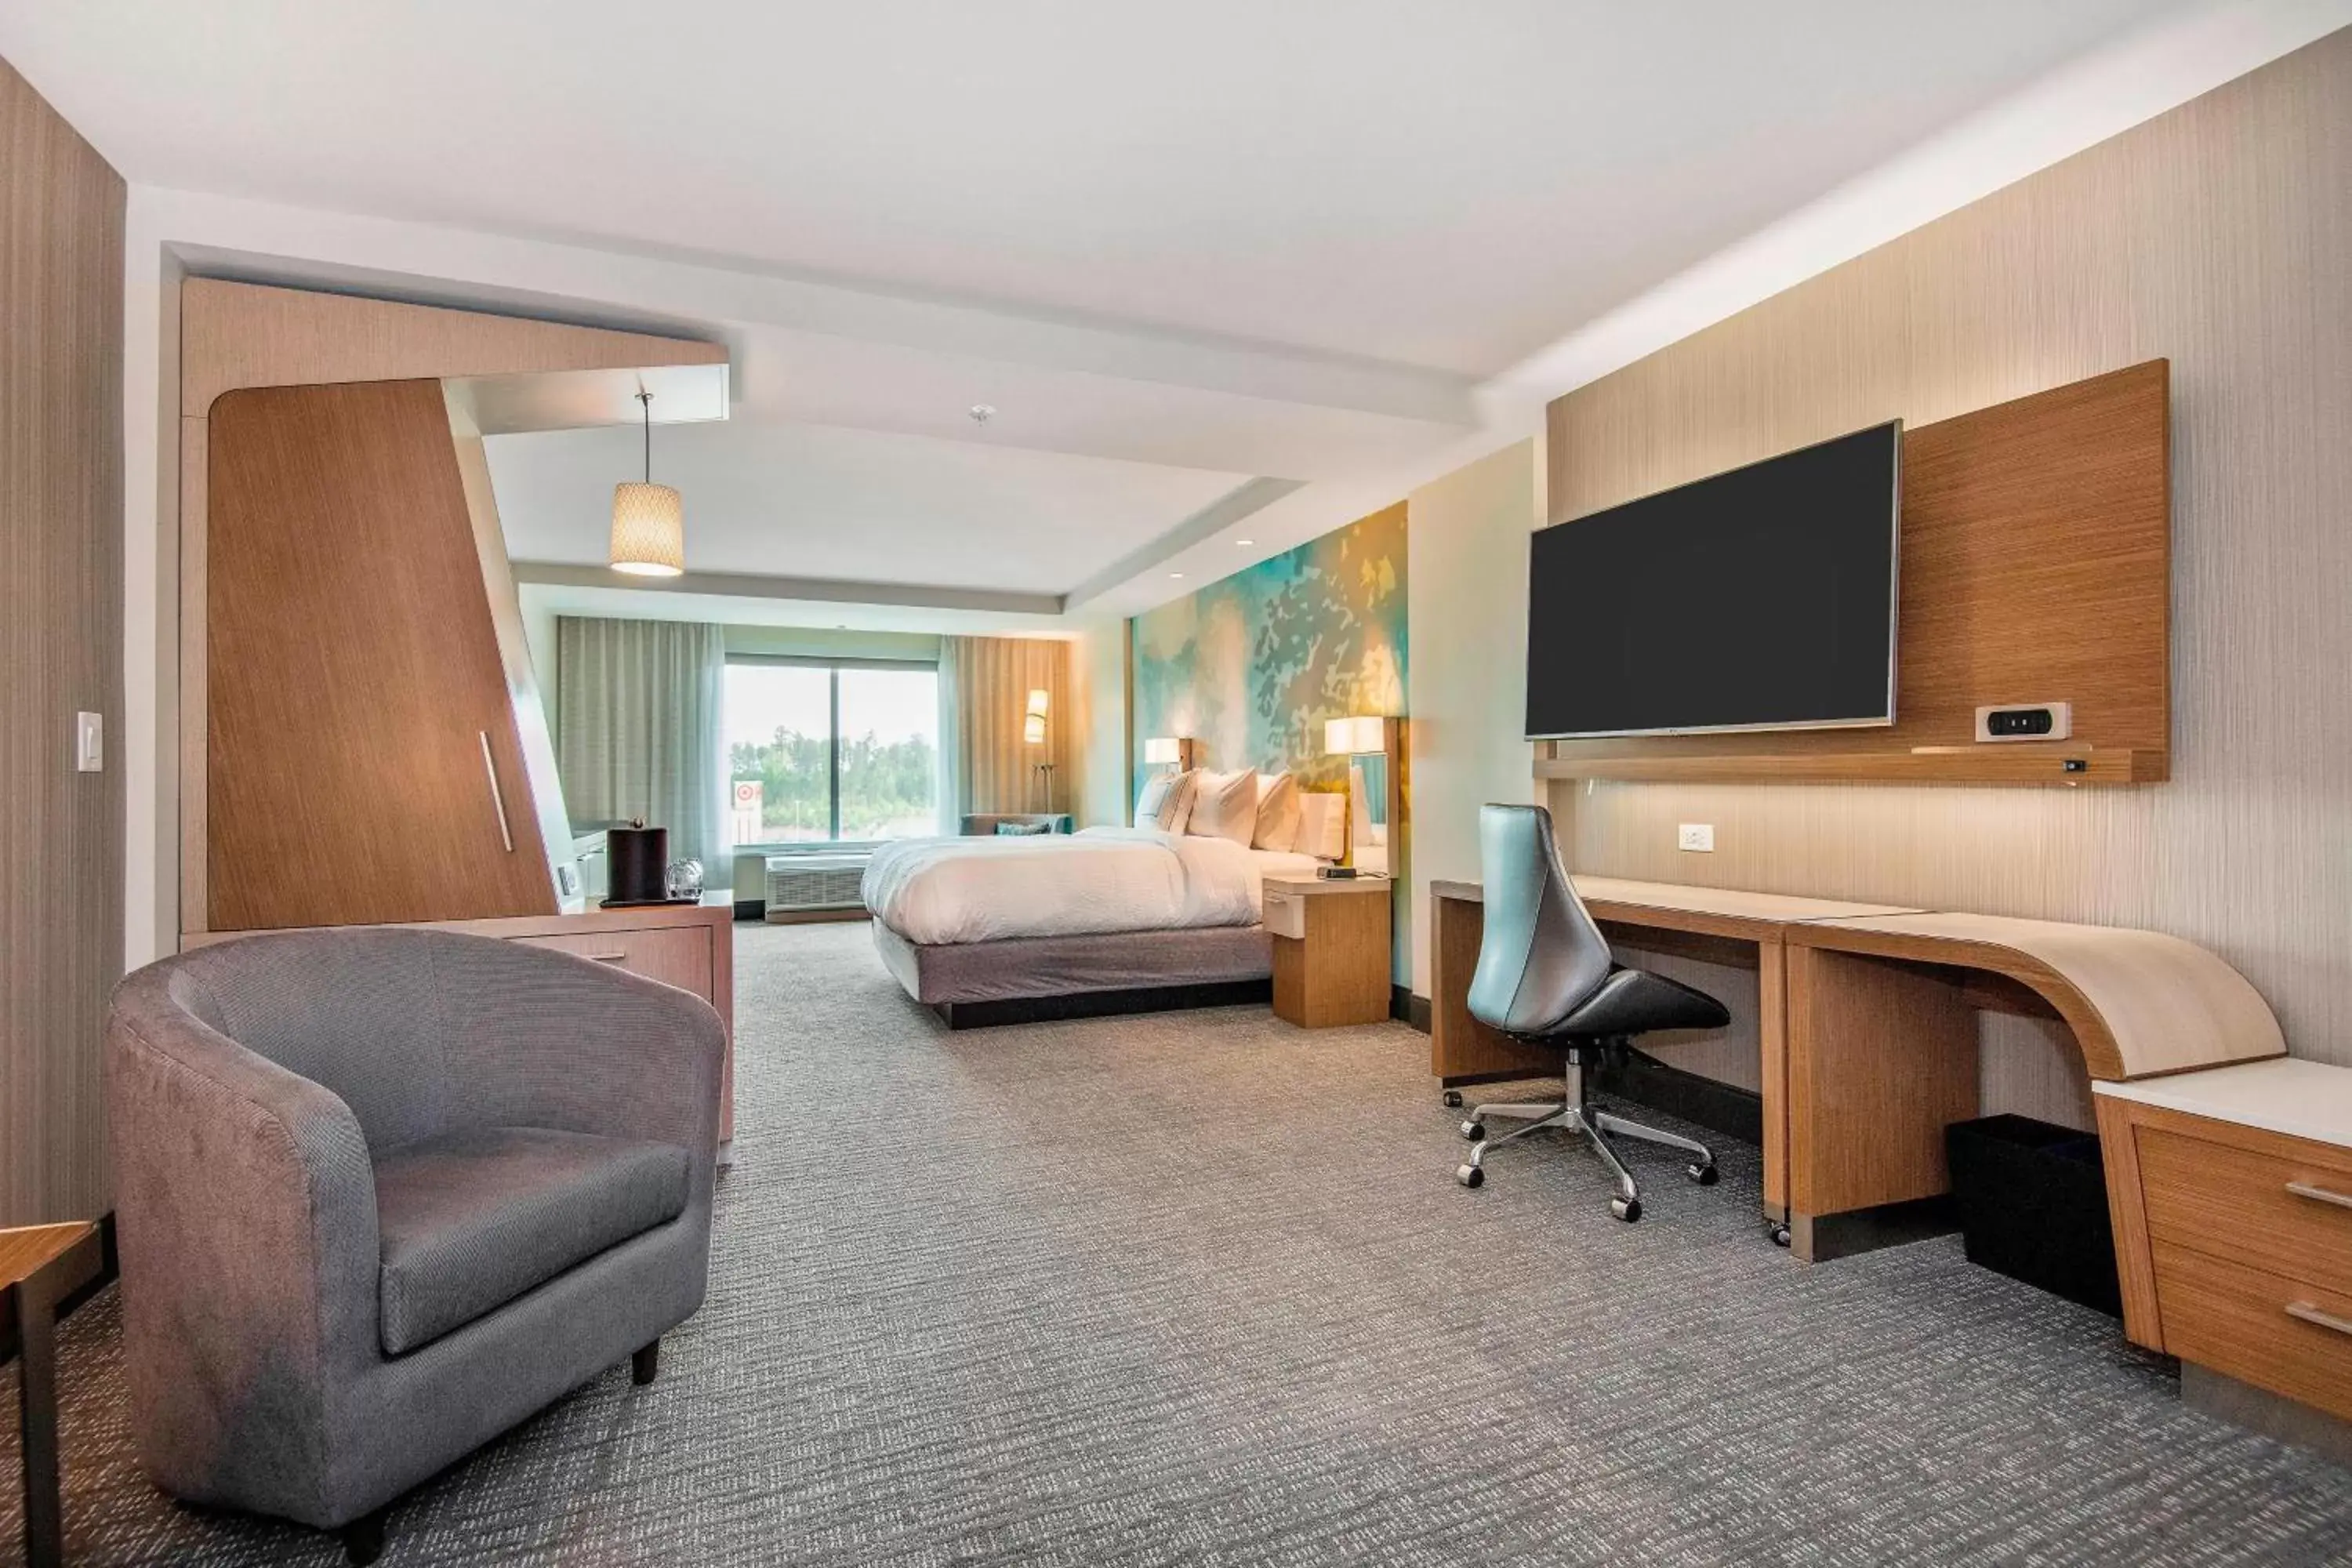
934, 891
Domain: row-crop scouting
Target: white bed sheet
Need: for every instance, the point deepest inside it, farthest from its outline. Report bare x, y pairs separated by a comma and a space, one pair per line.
1103, 880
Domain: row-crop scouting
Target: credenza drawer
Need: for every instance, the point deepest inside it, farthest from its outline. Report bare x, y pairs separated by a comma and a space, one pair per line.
675, 955
2285, 1208
1285, 914
2282, 1334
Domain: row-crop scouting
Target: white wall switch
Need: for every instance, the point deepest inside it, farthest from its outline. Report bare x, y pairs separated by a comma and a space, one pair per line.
1697, 836
90, 742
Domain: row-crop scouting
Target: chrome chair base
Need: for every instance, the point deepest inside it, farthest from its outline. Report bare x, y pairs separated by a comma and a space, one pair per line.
1573, 1110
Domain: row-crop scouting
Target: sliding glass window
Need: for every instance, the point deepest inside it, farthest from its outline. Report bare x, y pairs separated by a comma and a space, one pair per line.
832, 752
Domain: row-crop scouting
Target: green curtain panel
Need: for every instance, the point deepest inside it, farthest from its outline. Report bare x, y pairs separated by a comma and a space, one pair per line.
640, 730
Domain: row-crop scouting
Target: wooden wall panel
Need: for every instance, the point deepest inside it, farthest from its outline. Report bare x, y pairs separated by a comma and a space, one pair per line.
61, 213
355, 675
2212, 237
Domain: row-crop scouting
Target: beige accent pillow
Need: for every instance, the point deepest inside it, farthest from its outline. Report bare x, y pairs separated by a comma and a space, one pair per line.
1322, 824
1224, 806
1278, 812
1165, 800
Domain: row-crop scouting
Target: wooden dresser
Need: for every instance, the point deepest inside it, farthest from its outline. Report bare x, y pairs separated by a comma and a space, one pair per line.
2232, 1195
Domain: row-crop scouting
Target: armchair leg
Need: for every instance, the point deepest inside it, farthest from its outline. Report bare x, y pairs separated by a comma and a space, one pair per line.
362, 1539
646, 1365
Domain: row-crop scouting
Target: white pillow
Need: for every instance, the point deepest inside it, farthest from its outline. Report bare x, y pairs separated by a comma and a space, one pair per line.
1165, 800
1322, 824
1278, 812
1224, 806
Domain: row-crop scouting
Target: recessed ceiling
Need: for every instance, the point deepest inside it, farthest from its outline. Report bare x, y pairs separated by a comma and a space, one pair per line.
772, 497
1429, 184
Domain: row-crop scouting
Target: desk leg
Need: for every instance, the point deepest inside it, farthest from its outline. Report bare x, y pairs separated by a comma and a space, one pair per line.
36, 1398
1882, 1056
1461, 1048
1772, 1051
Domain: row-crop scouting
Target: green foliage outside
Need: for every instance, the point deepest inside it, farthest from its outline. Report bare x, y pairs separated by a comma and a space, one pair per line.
888, 787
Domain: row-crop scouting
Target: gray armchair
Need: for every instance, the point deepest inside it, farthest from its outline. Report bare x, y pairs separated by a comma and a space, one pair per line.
381, 1194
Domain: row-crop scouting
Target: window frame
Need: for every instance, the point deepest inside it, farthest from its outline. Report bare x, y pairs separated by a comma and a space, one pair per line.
832, 665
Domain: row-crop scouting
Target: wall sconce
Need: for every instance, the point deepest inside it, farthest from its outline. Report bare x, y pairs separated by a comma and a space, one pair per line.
1359, 737
1161, 749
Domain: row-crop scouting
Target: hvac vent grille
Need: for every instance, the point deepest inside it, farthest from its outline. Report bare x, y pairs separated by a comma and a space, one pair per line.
801, 882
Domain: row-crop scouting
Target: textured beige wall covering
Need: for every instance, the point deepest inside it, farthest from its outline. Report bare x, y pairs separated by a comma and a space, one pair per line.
61, 214
2220, 237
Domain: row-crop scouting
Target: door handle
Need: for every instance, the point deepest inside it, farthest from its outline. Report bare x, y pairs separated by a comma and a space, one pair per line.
498, 797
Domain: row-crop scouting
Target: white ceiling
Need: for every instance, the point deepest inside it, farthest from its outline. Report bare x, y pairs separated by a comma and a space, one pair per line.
1344, 242
1436, 184
777, 498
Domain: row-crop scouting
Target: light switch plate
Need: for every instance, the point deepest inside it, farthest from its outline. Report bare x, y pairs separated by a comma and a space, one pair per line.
90, 742
1698, 836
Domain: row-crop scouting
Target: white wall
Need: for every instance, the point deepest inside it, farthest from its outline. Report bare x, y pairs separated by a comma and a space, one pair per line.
1465, 621
1098, 795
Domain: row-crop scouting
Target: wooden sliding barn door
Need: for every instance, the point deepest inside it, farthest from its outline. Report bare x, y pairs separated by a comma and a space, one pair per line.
363, 762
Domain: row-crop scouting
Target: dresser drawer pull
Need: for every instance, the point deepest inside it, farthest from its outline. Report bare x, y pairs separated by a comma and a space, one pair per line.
2320, 1194
2308, 1313
607, 957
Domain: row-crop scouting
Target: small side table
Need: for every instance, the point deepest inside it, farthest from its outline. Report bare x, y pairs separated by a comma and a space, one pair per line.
42, 1266
1332, 959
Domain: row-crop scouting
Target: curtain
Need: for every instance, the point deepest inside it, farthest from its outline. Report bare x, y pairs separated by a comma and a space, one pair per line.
640, 730
994, 767
953, 798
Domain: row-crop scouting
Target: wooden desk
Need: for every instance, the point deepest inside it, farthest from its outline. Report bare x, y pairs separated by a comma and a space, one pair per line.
1867, 1024
1717, 925
40, 1266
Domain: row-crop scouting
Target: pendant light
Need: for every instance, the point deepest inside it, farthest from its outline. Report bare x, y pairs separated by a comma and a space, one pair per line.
648, 519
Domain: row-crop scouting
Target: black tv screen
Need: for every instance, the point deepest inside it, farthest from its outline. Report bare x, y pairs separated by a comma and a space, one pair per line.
1758, 599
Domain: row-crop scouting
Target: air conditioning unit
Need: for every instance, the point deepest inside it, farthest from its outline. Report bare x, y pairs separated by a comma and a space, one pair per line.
799, 884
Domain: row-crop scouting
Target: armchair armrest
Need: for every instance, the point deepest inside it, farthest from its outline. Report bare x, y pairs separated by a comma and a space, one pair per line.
244, 1207
541, 1038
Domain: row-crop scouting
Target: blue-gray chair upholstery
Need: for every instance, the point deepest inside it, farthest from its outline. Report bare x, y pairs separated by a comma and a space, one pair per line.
1546, 977
381, 1194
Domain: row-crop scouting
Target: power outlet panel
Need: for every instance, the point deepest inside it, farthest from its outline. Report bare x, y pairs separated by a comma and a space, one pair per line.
1696, 836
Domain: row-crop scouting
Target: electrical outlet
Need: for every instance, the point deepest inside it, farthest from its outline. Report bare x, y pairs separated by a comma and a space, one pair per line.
1699, 835
90, 742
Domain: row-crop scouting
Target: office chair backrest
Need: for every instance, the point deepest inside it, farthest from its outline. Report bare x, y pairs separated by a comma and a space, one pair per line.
1541, 954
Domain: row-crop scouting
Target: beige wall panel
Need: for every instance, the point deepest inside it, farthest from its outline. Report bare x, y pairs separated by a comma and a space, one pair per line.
2214, 237
61, 830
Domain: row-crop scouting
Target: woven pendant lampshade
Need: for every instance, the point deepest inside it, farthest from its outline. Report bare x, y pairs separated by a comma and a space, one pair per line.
648, 519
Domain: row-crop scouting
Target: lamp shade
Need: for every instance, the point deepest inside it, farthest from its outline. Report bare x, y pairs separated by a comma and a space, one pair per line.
1036, 703
1163, 749
1359, 737
648, 529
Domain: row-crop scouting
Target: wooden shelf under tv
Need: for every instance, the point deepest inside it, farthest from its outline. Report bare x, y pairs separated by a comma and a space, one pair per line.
2015, 763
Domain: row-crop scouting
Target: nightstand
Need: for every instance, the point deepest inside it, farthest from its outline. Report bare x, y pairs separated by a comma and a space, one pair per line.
1332, 963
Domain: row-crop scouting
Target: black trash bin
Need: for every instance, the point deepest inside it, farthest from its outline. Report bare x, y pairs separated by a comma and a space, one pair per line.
2032, 1201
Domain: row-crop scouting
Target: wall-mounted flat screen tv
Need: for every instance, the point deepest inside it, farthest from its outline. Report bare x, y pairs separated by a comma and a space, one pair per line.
1762, 598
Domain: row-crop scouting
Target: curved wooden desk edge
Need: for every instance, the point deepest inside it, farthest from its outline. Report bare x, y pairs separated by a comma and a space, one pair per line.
2140, 1004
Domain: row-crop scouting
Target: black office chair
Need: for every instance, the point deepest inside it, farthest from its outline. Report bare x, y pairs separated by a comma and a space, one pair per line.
1545, 978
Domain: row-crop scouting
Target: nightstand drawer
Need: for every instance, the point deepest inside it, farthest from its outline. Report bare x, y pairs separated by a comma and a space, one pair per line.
2276, 1333
1285, 914
2285, 1209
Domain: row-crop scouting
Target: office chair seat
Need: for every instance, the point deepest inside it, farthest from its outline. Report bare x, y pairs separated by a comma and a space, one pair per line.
1546, 977
1636, 1001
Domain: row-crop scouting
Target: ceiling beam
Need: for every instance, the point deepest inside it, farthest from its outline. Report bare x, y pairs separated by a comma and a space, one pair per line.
1248, 497
821, 590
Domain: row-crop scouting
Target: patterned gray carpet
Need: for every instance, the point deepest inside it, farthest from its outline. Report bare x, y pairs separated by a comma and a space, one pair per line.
1200, 1288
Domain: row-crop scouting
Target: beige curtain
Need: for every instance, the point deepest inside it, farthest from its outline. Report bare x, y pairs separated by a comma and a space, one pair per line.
639, 730
990, 767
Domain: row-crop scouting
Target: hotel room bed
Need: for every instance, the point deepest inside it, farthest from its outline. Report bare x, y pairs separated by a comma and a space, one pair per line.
988, 931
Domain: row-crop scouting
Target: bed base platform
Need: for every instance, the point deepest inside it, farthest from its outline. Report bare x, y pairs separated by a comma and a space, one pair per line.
1029, 979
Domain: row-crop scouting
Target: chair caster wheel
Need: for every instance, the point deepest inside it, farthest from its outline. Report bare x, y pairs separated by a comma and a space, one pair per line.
1471, 1176
1777, 1231
1474, 1130
1453, 1096
1705, 1175
1627, 1209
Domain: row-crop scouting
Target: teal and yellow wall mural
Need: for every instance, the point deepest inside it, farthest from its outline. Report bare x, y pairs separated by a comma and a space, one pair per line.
1251, 665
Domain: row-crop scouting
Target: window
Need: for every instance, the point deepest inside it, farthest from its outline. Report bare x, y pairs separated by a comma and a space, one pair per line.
822, 753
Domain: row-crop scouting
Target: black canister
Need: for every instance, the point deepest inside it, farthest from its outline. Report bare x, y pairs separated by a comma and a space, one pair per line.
639, 859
